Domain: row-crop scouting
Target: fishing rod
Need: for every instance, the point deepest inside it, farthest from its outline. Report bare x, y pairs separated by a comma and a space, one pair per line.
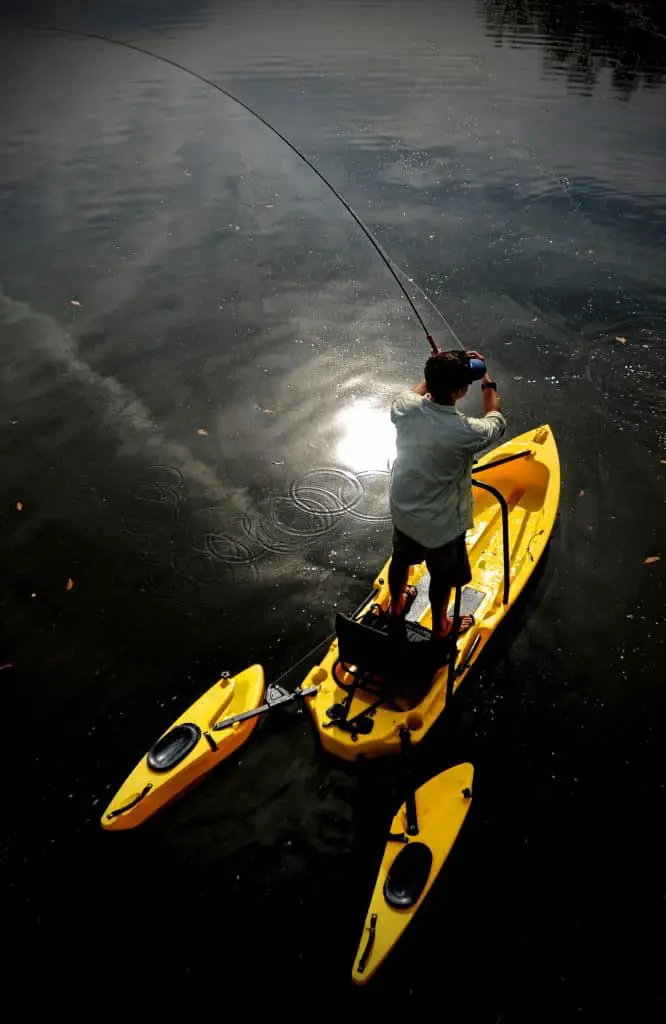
393, 268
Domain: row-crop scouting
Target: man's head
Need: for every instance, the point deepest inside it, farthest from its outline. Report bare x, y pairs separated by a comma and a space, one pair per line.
448, 376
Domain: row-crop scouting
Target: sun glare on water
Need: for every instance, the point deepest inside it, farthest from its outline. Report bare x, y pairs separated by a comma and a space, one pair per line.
367, 437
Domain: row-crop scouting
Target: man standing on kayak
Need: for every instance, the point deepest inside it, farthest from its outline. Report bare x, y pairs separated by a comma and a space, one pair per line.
431, 484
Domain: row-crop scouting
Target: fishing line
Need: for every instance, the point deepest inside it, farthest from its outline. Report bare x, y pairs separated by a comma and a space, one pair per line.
436, 309
327, 639
306, 656
392, 267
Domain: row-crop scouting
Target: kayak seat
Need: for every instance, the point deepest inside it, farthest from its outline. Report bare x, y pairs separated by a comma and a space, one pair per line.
171, 748
374, 650
408, 875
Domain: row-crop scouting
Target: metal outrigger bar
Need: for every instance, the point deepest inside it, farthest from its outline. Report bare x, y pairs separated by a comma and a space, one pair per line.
276, 696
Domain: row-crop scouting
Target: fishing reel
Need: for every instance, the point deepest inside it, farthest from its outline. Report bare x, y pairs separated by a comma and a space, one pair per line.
473, 367
477, 368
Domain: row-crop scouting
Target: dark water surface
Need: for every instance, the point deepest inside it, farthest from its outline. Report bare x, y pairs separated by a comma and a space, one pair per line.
198, 348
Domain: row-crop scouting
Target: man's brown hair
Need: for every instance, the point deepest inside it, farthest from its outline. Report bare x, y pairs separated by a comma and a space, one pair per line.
446, 373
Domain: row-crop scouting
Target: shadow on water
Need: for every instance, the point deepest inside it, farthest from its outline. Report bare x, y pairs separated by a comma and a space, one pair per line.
583, 38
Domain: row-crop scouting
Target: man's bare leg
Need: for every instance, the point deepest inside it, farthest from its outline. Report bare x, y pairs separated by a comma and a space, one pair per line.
439, 603
398, 575
440, 595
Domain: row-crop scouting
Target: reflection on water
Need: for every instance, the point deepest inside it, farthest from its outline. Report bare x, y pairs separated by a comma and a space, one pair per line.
366, 436
582, 38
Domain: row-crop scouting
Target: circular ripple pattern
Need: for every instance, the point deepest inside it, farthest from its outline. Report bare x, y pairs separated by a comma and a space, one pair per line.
161, 484
231, 550
339, 489
283, 526
374, 506
199, 568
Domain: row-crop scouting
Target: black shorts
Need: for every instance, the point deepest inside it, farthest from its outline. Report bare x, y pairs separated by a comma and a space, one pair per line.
448, 565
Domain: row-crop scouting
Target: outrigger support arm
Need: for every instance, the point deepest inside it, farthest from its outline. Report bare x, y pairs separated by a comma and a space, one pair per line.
276, 696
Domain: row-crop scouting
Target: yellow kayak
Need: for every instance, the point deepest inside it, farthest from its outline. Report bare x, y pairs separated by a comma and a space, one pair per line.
364, 693
212, 729
419, 842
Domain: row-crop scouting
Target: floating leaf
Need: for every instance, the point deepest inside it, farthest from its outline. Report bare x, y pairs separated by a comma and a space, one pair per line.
651, 559
204, 433
74, 302
623, 341
7, 664
70, 583
19, 506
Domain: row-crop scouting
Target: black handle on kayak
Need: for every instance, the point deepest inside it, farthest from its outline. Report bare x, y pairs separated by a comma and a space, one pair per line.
412, 823
365, 955
457, 599
501, 462
128, 807
472, 651
210, 741
451, 674
505, 534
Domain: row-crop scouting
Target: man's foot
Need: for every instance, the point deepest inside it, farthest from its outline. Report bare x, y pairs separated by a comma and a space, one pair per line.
406, 600
466, 623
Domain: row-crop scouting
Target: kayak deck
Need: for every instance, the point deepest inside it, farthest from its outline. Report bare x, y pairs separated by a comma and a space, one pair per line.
525, 474
441, 806
188, 750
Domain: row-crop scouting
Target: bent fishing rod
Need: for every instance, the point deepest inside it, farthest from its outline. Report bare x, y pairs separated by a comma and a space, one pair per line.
393, 268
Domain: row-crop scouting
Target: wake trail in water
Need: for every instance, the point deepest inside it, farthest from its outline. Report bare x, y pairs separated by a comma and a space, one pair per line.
123, 412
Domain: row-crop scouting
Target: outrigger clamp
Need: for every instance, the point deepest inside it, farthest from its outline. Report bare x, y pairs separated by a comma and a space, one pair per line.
276, 697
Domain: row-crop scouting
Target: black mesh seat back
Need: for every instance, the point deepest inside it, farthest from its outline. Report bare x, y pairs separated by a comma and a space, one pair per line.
367, 648
410, 655
173, 747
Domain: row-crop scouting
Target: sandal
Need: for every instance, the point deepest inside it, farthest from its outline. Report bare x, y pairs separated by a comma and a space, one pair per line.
466, 623
409, 595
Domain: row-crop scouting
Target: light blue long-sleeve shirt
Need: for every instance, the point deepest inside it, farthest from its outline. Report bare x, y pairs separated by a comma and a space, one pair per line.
431, 488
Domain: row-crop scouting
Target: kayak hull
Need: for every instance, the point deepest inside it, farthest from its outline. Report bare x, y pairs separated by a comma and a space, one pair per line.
441, 807
147, 789
529, 483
